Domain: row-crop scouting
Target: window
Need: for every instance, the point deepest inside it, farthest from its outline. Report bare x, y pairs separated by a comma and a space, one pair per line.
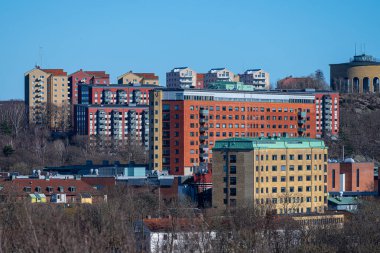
274, 189
283, 179
274, 157
308, 178
291, 157
291, 179
299, 178
232, 158
283, 189
274, 168
300, 157
232, 180
299, 167
357, 177
27, 189
233, 169
274, 179
291, 167
283, 157
299, 188
308, 167
283, 167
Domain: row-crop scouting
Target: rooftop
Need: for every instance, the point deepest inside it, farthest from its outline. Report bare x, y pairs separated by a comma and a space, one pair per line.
18, 185
343, 200
55, 72
268, 143
130, 85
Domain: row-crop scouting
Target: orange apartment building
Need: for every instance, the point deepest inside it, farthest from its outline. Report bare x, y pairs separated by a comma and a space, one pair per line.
185, 123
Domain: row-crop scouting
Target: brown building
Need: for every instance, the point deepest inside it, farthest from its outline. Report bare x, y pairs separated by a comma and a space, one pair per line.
351, 176
47, 97
287, 175
360, 75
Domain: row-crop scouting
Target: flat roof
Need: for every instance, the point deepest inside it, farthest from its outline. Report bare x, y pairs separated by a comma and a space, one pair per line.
114, 106
268, 143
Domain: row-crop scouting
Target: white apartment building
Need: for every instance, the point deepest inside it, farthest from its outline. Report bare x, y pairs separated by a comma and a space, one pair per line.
218, 75
182, 77
256, 77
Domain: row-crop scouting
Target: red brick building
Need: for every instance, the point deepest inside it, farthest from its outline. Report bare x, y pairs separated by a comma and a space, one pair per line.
113, 122
200, 81
350, 176
115, 94
192, 120
74, 189
85, 77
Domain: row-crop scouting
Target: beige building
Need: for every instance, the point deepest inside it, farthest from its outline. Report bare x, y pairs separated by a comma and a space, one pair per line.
138, 78
155, 130
282, 174
218, 75
182, 77
360, 75
257, 78
47, 98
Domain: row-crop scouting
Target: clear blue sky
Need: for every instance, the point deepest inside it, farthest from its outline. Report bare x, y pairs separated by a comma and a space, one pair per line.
293, 37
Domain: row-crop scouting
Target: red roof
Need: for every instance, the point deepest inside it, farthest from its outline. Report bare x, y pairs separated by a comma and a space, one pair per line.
97, 74
55, 72
200, 76
18, 185
170, 223
150, 76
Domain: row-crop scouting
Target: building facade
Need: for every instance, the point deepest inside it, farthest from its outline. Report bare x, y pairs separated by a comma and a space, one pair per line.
257, 78
85, 77
282, 174
135, 94
351, 176
188, 122
182, 77
138, 78
113, 122
360, 75
218, 75
47, 97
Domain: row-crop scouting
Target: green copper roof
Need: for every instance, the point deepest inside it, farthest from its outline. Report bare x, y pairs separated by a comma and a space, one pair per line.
343, 200
268, 143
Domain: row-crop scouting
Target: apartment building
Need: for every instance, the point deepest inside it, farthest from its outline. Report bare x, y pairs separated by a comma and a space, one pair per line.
113, 122
85, 77
47, 97
287, 175
257, 78
327, 113
200, 81
136, 94
218, 75
182, 77
188, 122
138, 78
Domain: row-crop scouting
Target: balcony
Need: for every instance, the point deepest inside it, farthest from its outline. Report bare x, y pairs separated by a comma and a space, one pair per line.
203, 137
302, 115
203, 120
301, 122
203, 111
203, 146
203, 129
205, 155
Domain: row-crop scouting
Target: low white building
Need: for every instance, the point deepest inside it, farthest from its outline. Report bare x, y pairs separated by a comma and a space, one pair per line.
173, 235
